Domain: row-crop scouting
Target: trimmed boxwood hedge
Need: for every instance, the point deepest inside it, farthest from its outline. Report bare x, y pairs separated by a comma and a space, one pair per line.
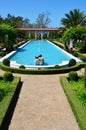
46, 71
8, 76
6, 102
77, 107
73, 76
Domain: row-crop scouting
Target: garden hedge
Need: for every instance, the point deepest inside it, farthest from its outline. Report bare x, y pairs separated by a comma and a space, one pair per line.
39, 71
7, 103
78, 109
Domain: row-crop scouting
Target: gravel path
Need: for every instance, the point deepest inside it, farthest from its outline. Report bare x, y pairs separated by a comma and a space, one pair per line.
42, 105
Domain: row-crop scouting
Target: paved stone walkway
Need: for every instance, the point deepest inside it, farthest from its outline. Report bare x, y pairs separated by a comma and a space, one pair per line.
42, 105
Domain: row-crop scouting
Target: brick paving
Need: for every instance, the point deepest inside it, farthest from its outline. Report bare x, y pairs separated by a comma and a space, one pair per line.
42, 105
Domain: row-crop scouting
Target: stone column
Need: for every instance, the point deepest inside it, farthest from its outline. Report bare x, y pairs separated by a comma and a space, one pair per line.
47, 34
29, 34
71, 45
41, 34
35, 34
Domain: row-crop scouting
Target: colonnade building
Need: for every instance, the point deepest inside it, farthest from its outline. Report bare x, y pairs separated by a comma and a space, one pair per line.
38, 31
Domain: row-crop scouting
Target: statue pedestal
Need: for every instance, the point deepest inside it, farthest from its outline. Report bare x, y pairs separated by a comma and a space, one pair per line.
39, 60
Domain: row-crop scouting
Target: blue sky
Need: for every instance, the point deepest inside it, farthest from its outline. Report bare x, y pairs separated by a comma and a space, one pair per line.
31, 8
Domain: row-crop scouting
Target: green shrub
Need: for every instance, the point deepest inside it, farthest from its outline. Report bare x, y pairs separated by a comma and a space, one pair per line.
77, 107
2, 93
8, 76
1, 78
8, 101
82, 57
83, 49
15, 47
75, 54
57, 66
2, 54
45, 71
73, 76
78, 45
22, 67
6, 62
72, 62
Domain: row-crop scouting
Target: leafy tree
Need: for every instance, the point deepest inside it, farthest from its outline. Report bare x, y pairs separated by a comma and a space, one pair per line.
16, 22
75, 33
21, 34
1, 20
43, 20
74, 18
85, 77
7, 36
26, 22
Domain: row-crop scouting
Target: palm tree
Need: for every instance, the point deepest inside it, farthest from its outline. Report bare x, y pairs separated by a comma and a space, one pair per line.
74, 18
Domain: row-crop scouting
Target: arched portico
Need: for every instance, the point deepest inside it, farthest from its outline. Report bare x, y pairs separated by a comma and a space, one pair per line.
37, 31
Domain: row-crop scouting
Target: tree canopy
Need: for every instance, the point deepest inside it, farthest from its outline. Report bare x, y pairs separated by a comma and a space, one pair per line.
75, 33
15, 22
74, 18
43, 20
7, 35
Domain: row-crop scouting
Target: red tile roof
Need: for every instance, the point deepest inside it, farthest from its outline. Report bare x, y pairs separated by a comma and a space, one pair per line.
38, 29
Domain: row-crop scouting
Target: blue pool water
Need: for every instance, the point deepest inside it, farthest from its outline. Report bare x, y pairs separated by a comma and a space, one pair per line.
52, 54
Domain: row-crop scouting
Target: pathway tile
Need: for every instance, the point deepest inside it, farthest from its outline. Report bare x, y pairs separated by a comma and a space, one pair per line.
42, 105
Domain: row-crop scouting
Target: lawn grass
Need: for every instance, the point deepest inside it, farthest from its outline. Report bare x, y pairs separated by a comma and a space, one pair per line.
78, 108
4, 88
6, 101
82, 57
79, 89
